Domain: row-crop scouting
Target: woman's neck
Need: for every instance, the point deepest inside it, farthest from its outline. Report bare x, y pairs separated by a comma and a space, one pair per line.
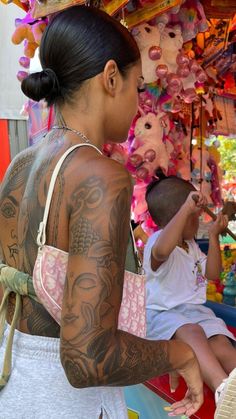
86, 122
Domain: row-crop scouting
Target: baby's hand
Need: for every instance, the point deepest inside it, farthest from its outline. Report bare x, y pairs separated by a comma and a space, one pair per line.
219, 225
195, 201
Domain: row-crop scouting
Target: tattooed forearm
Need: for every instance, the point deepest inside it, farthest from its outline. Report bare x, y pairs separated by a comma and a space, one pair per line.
129, 361
93, 351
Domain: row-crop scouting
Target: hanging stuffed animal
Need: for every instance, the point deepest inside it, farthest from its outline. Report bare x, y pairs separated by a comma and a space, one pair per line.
139, 204
29, 31
148, 40
181, 72
31, 34
148, 148
192, 18
171, 42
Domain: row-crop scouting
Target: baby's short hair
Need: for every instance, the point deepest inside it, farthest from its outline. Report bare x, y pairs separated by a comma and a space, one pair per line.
165, 196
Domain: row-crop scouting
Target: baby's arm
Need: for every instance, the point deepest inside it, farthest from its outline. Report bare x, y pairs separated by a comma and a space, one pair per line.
214, 263
171, 235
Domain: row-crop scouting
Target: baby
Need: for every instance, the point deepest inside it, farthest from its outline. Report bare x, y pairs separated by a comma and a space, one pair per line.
177, 273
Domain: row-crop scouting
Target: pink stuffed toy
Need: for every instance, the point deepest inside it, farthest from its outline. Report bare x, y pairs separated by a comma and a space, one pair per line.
148, 149
118, 152
192, 18
171, 42
139, 204
148, 40
163, 59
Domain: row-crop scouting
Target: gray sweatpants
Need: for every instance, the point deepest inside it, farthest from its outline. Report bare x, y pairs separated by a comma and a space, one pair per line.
39, 389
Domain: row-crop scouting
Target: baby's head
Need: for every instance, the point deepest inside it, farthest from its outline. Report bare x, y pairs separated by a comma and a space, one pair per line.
165, 197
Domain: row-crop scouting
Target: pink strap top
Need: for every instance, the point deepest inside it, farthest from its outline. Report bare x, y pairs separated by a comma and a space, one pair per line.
51, 265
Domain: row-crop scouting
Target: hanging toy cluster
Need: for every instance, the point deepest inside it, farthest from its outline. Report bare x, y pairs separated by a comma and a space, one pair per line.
229, 276
223, 290
28, 31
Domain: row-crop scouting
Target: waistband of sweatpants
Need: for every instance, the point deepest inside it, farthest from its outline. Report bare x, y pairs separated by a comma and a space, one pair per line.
32, 346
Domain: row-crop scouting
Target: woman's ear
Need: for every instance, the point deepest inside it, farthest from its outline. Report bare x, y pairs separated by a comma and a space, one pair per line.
111, 77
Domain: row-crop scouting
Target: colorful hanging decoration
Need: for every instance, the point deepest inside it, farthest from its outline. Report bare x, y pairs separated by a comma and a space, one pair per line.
187, 61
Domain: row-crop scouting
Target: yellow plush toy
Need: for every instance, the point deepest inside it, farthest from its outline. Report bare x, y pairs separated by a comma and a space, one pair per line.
23, 31
212, 294
32, 35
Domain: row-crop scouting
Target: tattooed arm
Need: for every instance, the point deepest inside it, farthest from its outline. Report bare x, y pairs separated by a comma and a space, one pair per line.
93, 351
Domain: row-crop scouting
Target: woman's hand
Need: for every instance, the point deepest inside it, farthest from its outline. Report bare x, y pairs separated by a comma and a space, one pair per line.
193, 398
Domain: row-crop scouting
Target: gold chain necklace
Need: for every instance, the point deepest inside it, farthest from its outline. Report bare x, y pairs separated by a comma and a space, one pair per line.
81, 135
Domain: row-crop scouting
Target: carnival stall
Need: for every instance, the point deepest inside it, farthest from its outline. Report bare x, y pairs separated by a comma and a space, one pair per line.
185, 126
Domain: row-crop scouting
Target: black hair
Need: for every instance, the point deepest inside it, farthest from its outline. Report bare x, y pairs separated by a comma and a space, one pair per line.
165, 196
75, 47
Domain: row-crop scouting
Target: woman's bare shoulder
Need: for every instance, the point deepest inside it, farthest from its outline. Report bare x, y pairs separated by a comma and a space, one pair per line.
91, 166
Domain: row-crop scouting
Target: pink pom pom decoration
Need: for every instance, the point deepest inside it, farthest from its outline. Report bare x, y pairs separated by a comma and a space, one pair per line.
142, 173
162, 71
155, 53
135, 160
150, 155
183, 71
174, 84
201, 76
182, 59
21, 75
194, 66
24, 62
189, 95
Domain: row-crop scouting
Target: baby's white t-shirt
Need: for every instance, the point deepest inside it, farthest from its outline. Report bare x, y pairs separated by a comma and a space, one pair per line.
180, 279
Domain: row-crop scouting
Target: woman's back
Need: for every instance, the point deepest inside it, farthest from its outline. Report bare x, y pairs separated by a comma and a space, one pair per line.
22, 201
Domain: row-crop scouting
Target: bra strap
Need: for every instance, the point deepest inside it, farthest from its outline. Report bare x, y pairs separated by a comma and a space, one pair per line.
41, 237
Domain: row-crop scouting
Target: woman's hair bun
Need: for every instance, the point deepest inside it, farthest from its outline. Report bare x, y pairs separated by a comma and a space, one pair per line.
42, 85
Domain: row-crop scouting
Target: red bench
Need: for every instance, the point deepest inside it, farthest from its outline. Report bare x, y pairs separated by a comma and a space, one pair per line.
160, 385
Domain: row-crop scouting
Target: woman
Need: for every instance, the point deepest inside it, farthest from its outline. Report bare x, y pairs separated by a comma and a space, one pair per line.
91, 73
